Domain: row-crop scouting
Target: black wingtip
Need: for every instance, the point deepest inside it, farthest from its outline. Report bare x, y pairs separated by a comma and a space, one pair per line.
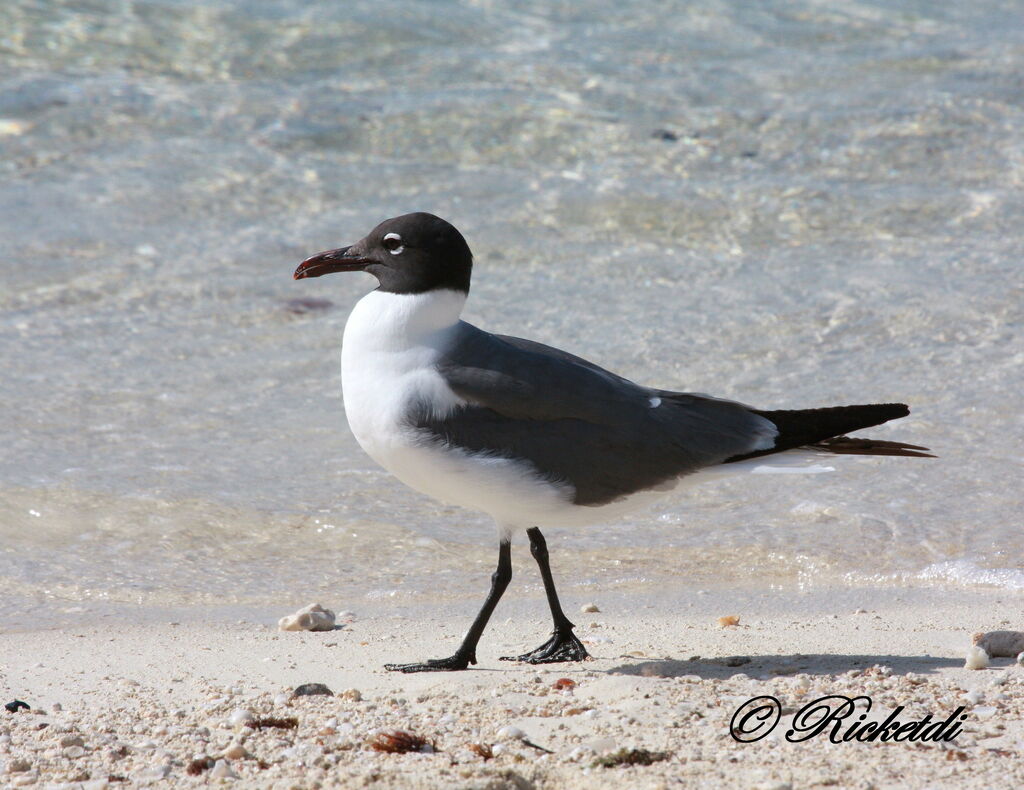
807, 427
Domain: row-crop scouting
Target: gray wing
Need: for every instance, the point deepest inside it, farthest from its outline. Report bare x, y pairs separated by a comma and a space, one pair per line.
577, 423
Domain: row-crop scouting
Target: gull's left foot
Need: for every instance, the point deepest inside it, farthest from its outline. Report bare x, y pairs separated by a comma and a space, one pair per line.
450, 664
562, 646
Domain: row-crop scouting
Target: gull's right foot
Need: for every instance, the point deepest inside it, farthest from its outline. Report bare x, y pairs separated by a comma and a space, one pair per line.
450, 664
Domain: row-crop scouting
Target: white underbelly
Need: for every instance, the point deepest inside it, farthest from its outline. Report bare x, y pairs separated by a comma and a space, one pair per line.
511, 491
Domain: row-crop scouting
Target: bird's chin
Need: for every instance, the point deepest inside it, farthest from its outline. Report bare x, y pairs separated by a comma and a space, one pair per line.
329, 262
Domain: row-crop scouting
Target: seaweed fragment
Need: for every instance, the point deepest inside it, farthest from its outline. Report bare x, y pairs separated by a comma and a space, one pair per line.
283, 723
630, 757
400, 742
197, 767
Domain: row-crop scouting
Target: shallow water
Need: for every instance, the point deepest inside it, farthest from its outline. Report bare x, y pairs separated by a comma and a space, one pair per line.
788, 204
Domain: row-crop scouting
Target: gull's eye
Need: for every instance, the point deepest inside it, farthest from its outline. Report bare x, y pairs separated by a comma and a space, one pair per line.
393, 243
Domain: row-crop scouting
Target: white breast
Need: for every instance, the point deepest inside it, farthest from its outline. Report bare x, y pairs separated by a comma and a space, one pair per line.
387, 358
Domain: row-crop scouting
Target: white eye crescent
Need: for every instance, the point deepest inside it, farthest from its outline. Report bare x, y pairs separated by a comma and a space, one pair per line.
393, 243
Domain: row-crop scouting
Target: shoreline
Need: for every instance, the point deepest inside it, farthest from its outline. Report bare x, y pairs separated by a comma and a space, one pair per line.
142, 702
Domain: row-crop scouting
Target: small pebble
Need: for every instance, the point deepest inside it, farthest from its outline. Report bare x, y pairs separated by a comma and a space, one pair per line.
312, 690
18, 766
508, 732
235, 752
1000, 643
589, 608
352, 695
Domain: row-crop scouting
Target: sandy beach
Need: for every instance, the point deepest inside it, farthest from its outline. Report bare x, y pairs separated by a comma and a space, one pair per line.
174, 702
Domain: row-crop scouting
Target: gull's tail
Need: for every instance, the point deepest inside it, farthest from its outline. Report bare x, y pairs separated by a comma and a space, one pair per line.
825, 430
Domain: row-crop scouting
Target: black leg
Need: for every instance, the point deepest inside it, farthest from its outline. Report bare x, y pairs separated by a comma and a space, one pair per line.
466, 654
563, 644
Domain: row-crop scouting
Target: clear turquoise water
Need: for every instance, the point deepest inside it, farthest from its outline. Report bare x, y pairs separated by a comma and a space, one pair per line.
790, 204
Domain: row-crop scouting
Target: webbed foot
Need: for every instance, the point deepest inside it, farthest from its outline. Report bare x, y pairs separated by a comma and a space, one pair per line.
450, 664
562, 646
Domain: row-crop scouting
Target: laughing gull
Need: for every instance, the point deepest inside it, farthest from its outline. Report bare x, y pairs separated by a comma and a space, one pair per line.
527, 433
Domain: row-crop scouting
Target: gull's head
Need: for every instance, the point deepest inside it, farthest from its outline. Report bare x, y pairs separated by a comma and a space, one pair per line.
410, 254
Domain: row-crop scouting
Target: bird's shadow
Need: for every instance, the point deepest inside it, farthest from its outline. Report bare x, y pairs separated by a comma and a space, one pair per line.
783, 665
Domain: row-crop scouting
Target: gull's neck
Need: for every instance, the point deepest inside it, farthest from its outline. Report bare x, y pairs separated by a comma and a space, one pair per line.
383, 320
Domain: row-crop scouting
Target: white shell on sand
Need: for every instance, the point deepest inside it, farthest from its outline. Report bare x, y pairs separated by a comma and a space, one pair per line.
310, 618
977, 658
1006, 644
235, 751
239, 717
589, 607
222, 770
